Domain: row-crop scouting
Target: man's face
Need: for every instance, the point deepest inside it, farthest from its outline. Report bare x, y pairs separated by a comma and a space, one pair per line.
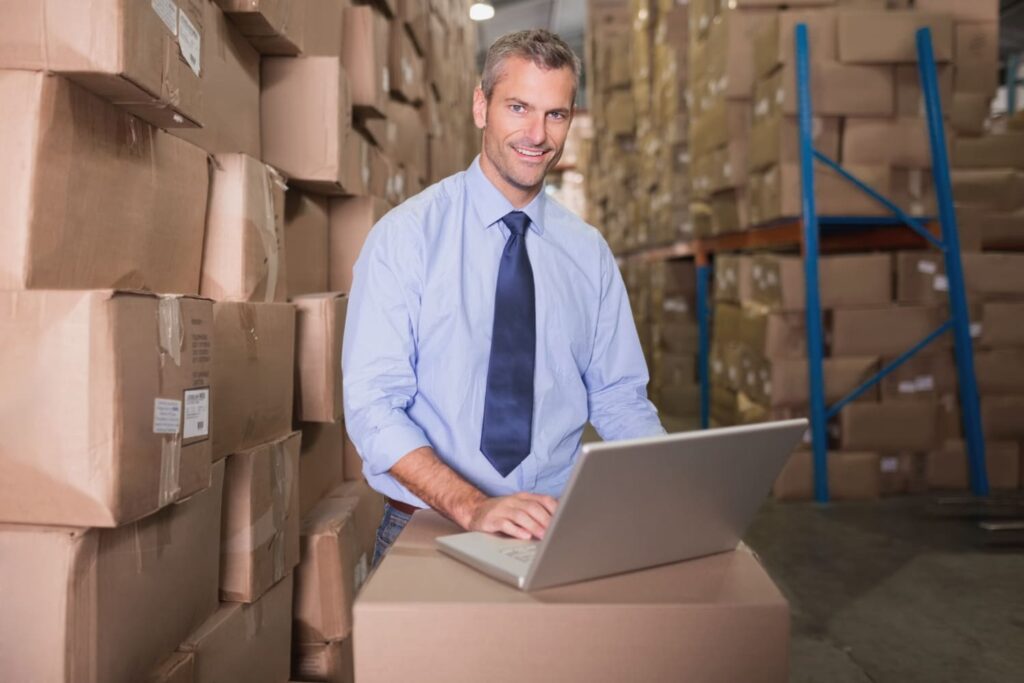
525, 122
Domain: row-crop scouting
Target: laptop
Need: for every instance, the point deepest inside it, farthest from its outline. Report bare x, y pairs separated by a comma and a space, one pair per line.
640, 503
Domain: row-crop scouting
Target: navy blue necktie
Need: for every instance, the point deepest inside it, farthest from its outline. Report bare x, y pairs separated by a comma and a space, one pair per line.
508, 405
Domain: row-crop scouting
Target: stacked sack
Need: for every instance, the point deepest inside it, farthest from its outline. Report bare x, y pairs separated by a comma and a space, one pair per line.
163, 519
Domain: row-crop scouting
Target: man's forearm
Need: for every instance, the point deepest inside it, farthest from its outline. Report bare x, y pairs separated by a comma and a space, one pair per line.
437, 484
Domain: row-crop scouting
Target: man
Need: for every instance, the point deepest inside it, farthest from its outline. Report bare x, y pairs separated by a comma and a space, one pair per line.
487, 324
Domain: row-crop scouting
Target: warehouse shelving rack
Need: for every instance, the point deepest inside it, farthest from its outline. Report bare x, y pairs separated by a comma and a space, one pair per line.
812, 234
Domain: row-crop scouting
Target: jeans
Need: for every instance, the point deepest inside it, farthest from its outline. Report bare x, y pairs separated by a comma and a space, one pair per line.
391, 524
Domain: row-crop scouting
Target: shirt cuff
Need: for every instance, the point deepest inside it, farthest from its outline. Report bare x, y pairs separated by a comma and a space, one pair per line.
391, 444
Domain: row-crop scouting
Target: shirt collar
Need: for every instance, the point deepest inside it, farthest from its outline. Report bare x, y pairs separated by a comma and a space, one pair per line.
491, 205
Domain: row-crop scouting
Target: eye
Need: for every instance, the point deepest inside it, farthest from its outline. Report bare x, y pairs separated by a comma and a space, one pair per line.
557, 115
517, 108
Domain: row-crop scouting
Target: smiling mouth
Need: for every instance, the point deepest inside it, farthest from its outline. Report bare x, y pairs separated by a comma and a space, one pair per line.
529, 153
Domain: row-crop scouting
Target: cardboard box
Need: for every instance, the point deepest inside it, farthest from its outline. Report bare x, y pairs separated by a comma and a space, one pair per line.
921, 278
305, 233
306, 111
977, 78
784, 382
231, 81
994, 275
962, 10
888, 36
775, 140
1001, 324
776, 192
924, 375
773, 335
675, 369
991, 151
330, 574
248, 642
999, 371
948, 470
253, 374
353, 468
320, 463
852, 475
968, 113
243, 253
836, 90
124, 439
679, 400
131, 197
845, 281
730, 52
405, 66
260, 523
889, 427
982, 228
324, 32
365, 56
143, 57
732, 277
351, 219
80, 603
747, 638
274, 27
318, 380
407, 140
178, 668
774, 42
976, 42
895, 141
910, 96
330, 662
1000, 416
882, 331
996, 189
903, 473
367, 510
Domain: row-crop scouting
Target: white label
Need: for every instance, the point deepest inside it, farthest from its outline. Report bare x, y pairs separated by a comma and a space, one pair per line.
168, 13
385, 80
925, 383
928, 267
166, 416
975, 329
890, 464
907, 386
941, 283
190, 42
197, 413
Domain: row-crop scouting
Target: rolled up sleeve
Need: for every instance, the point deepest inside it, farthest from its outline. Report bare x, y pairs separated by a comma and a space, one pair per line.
617, 376
379, 350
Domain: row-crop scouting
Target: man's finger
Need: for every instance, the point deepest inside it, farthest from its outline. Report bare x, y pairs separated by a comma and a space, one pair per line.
537, 511
509, 528
526, 521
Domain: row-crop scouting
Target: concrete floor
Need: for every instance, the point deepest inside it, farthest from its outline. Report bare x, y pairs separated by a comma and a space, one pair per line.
881, 593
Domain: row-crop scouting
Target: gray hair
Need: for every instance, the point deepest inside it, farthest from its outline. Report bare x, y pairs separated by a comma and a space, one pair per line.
544, 48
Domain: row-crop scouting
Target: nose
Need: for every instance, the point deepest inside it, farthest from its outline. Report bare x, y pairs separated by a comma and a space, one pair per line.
536, 132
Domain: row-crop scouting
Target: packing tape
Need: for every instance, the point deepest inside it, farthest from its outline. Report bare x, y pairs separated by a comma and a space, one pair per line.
171, 331
267, 228
247, 322
170, 469
270, 527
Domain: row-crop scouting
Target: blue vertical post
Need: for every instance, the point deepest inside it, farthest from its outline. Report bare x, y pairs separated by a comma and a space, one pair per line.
704, 341
815, 335
969, 404
1012, 64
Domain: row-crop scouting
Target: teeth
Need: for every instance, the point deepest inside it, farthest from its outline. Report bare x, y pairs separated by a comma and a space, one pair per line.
528, 152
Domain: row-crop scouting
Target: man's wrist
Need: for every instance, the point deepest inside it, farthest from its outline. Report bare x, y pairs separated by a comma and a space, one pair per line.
466, 508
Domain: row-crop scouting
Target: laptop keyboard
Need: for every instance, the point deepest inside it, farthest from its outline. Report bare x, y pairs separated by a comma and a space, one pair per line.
520, 553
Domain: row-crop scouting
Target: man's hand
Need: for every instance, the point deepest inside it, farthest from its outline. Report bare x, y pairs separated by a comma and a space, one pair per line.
521, 515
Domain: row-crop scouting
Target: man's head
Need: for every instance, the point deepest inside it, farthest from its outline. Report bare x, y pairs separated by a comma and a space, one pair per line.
524, 106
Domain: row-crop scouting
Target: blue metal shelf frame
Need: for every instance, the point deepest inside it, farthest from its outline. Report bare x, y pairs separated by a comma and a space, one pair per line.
949, 245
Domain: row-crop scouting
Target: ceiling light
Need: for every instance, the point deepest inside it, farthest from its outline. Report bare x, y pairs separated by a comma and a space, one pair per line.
481, 11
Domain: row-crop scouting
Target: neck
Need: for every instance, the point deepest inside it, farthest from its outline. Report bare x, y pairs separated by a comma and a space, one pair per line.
517, 196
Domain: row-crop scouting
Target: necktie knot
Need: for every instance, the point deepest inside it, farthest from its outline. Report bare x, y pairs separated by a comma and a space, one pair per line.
517, 222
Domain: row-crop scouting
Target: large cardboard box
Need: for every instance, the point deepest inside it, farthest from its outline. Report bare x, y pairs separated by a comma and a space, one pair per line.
910, 96
921, 278
777, 193
924, 375
260, 524
732, 277
999, 371
407, 139
1001, 324
775, 140
889, 427
997, 189
351, 219
144, 57
93, 197
329, 575
231, 81
716, 618
248, 642
995, 275
365, 55
845, 281
773, 335
321, 463
305, 234
836, 90
882, 331
324, 33
978, 78
730, 51
131, 433
783, 383
306, 112
329, 662
896, 141
976, 42
990, 151
405, 65
1000, 417
852, 475
679, 400
889, 36
968, 113
108, 605
353, 468
274, 27
253, 374
320, 328
947, 466
962, 10
244, 251
367, 510
774, 42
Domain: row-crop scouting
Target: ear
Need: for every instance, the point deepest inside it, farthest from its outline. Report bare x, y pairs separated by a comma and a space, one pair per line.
479, 108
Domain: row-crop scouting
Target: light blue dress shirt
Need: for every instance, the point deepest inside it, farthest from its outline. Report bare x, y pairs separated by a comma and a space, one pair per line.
418, 338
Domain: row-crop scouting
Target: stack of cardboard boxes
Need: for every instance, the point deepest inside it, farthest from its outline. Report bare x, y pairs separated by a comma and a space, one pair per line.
158, 507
